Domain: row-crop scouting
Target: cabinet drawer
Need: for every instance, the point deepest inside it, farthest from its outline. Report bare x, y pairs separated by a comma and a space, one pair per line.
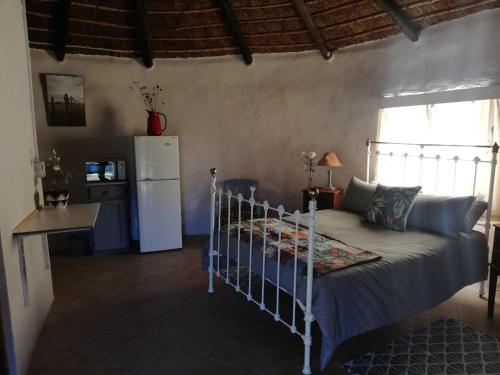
107, 192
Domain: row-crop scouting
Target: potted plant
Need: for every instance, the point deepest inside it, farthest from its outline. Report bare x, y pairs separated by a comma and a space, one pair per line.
58, 178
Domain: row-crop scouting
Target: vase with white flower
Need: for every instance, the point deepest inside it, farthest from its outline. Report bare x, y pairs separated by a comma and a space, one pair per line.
58, 179
308, 158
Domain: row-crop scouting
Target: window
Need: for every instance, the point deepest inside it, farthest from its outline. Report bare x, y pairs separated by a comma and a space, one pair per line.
464, 123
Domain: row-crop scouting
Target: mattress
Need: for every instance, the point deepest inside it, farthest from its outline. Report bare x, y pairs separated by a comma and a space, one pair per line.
418, 270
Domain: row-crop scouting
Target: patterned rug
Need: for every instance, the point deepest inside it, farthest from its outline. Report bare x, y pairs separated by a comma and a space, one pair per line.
446, 346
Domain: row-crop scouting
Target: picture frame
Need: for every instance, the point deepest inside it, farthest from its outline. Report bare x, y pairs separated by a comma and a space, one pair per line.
64, 100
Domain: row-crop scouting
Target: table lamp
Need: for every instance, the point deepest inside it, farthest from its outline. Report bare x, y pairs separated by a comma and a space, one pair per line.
331, 160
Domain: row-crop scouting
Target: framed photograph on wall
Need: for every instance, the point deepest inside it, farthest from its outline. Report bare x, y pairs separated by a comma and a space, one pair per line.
64, 100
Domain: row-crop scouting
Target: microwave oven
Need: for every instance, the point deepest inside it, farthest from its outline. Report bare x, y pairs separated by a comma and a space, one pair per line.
105, 171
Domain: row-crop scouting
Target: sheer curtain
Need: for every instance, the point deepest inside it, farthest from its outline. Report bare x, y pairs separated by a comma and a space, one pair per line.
464, 123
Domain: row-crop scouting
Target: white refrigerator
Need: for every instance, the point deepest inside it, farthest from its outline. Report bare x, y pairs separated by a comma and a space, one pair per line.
158, 192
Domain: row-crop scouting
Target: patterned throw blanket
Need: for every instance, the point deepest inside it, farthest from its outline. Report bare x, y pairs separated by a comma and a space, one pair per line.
330, 254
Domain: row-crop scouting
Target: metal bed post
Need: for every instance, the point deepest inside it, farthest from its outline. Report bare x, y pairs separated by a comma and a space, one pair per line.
308, 315
487, 225
368, 156
212, 252
252, 206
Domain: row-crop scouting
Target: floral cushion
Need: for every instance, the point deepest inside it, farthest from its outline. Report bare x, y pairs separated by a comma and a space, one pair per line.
390, 206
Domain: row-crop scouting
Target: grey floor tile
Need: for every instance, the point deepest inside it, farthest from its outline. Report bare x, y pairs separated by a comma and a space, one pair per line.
99, 343
174, 362
257, 358
188, 313
200, 341
107, 369
59, 361
127, 322
165, 331
158, 305
211, 367
137, 355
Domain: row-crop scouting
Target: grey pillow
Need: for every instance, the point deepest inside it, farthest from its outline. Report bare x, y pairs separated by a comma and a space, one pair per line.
475, 212
357, 196
440, 214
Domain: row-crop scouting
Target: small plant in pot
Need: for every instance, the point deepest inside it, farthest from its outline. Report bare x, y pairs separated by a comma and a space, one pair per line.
58, 180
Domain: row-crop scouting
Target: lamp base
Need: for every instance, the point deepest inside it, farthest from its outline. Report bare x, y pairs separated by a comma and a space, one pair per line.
330, 185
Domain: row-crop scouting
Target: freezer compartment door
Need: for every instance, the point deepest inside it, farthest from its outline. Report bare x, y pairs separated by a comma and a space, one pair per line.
159, 215
156, 158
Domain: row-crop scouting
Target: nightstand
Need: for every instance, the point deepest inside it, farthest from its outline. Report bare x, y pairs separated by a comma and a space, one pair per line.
494, 271
327, 198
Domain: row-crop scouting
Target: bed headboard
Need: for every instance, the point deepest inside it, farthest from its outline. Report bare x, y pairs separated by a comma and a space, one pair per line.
445, 160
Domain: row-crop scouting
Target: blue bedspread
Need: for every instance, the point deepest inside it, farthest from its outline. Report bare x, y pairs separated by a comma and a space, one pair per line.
418, 271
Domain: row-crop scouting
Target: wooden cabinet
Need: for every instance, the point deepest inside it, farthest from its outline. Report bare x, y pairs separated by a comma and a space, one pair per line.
327, 198
111, 230
494, 271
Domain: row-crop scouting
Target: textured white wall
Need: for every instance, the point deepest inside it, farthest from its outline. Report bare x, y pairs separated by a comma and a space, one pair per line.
17, 199
253, 121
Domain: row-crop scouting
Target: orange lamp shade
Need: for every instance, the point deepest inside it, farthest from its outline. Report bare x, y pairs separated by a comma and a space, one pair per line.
330, 159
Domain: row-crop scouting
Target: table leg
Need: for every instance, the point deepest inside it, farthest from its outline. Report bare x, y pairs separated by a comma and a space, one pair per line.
492, 292
46, 254
90, 246
23, 271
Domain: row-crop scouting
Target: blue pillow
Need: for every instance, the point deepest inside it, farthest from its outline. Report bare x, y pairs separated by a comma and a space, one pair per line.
357, 196
390, 206
440, 214
475, 212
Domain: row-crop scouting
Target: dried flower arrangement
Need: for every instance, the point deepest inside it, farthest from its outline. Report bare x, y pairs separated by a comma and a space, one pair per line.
308, 158
152, 96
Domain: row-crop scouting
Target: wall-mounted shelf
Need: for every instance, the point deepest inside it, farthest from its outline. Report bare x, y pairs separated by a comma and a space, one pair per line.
76, 217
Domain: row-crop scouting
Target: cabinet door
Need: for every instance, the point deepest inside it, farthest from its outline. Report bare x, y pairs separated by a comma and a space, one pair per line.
110, 231
324, 200
160, 224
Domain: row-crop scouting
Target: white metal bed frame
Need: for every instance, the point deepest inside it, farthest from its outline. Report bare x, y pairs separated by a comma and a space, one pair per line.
215, 268
307, 308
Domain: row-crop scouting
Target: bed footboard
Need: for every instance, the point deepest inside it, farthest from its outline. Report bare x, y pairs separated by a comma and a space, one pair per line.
222, 262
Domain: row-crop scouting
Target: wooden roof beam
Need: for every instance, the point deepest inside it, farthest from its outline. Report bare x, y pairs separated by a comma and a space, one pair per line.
143, 32
313, 30
63, 9
234, 27
400, 18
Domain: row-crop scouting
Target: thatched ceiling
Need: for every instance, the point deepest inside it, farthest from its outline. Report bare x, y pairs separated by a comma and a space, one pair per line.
194, 28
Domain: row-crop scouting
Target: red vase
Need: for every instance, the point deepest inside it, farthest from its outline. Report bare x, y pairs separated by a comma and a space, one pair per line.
154, 123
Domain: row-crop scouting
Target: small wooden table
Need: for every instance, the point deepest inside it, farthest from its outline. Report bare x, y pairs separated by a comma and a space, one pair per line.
327, 198
494, 271
76, 217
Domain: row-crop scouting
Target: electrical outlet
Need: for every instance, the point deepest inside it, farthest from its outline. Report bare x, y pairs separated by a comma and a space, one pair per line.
39, 169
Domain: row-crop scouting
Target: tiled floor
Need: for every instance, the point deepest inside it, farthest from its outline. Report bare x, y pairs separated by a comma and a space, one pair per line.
151, 314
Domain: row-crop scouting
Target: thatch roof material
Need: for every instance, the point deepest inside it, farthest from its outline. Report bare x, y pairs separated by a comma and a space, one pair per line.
182, 28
